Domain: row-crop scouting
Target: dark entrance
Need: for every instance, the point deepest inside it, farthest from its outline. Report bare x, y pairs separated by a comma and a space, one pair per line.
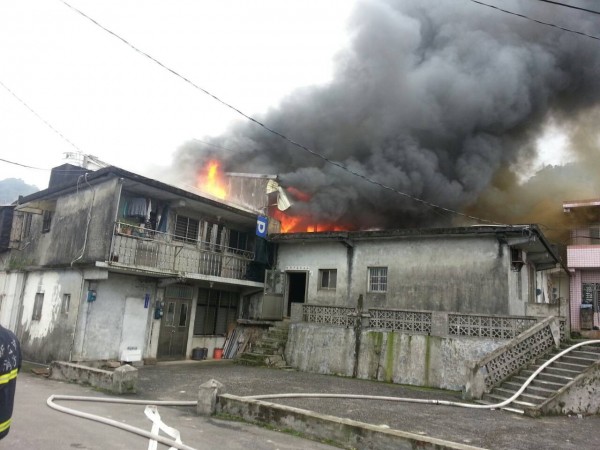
296, 289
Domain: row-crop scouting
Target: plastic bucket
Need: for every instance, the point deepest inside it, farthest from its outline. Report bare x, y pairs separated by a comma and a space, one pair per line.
197, 353
218, 353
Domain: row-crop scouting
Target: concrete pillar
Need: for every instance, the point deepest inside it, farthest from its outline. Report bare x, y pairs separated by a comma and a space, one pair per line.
439, 323
124, 379
208, 394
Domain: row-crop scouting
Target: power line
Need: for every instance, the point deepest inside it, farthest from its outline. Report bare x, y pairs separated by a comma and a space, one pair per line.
22, 165
272, 131
570, 6
39, 117
536, 21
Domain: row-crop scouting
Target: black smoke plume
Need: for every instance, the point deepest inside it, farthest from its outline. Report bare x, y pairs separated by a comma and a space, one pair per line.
440, 99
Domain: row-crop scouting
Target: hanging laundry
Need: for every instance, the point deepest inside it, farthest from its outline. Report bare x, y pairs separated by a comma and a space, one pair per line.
137, 207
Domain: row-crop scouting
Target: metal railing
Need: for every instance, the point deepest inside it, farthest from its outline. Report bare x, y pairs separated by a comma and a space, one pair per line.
143, 248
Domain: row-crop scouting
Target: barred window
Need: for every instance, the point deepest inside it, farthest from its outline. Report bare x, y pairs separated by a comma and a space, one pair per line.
186, 229
327, 279
377, 279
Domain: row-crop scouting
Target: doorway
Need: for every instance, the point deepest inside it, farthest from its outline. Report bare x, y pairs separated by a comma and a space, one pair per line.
172, 340
296, 289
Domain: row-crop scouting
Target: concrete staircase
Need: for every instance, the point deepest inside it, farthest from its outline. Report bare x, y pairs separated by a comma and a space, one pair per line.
548, 382
269, 350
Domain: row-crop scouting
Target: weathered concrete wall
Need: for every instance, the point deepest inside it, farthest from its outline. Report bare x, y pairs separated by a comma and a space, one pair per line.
65, 241
462, 274
345, 432
419, 360
11, 287
582, 396
123, 380
452, 274
51, 336
315, 256
103, 325
320, 349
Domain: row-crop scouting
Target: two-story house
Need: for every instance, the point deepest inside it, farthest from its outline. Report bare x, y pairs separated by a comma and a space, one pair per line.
583, 261
112, 265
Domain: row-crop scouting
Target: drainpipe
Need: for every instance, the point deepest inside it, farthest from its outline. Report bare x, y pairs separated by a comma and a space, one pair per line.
357, 333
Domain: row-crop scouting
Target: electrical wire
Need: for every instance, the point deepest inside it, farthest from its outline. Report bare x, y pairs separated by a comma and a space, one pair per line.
22, 165
570, 6
39, 117
523, 16
277, 133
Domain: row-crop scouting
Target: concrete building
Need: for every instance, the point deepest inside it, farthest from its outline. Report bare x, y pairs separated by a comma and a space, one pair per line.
505, 270
112, 265
583, 261
419, 306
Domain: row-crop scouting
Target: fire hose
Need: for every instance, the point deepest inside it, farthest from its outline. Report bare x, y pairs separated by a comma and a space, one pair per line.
176, 443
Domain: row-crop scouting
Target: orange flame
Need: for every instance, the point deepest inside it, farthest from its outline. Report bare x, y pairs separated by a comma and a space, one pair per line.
300, 224
212, 180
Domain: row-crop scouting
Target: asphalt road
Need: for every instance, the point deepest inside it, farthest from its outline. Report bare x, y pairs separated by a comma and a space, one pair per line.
36, 426
498, 430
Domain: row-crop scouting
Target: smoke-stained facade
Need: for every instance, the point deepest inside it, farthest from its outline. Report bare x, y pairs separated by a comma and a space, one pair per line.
443, 101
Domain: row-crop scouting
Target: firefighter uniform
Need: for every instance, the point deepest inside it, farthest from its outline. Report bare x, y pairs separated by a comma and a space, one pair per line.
10, 364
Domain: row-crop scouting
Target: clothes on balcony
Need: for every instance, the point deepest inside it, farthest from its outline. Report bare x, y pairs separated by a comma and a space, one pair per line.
137, 207
162, 222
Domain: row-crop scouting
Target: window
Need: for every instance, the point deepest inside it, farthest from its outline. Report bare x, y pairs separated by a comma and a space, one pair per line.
215, 311
47, 221
377, 279
37, 306
327, 279
212, 236
238, 240
186, 229
66, 303
26, 225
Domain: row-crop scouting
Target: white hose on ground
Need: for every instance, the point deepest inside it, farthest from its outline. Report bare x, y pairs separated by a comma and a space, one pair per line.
179, 446
114, 423
428, 401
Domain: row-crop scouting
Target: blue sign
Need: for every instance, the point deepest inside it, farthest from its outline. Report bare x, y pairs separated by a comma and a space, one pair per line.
262, 223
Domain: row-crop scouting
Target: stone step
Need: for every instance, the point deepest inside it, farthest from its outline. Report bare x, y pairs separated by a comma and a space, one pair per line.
524, 397
255, 359
282, 335
576, 359
550, 384
493, 399
505, 408
552, 373
544, 392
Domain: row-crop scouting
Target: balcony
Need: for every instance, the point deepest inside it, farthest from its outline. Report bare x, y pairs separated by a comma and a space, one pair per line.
584, 248
166, 254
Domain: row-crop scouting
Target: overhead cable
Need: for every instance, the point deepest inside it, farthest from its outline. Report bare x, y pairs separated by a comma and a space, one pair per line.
570, 6
523, 16
39, 117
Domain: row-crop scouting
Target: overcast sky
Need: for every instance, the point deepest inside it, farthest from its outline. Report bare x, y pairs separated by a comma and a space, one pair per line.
116, 104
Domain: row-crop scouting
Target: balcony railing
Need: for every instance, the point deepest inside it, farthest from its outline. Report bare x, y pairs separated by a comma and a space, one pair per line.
148, 249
